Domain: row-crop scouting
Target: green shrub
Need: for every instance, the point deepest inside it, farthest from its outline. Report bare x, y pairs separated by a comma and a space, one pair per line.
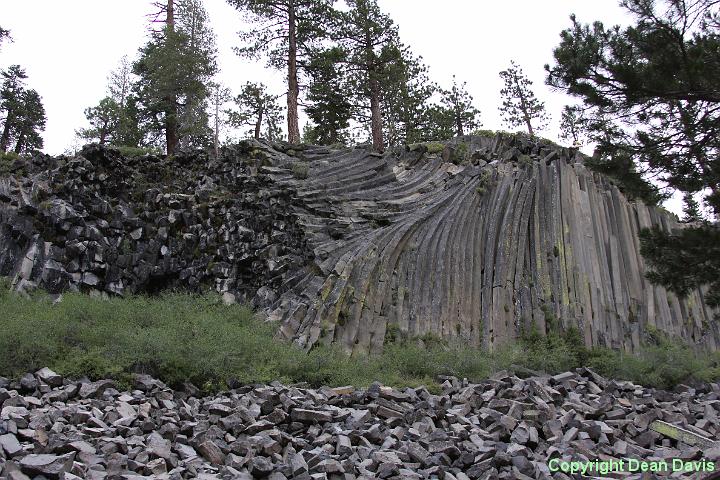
135, 151
484, 133
9, 156
459, 154
434, 147
9, 164
180, 337
300, 170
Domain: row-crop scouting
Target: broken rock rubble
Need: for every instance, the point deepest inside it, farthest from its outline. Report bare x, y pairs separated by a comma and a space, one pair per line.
502, 428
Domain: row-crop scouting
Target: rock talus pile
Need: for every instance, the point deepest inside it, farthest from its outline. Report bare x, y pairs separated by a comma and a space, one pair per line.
502, 428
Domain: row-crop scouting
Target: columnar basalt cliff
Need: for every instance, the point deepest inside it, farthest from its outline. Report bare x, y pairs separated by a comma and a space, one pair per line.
480, 239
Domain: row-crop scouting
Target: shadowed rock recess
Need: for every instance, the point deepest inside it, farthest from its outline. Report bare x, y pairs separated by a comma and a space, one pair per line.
479, 239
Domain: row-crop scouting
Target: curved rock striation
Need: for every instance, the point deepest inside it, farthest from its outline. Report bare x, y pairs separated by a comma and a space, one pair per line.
480, 239
483, 241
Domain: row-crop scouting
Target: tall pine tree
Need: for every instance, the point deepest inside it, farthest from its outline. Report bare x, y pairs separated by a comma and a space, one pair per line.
370, 42
29, 122
11, 102
329, 107
174, 72
573, 125
287, 31
456, 115
24, 113
405, 91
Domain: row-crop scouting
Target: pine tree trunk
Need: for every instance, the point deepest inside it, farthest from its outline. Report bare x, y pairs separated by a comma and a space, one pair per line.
376, 115
217, 122
293, 88
171, 135
20, 143
5, 138
258, 124
459, 126
524, 108
103, 135
529, 125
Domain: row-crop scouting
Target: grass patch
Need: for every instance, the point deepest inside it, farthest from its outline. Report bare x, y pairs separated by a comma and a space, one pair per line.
180, 337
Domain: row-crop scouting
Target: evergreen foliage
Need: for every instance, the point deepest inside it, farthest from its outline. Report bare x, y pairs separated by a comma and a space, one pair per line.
174, 72
258, 109
520, 106
652, 92
287, 31
30, 121
685, 259
329, 107
573, 125
406, 91
24, 113
371, 47
116, 118
456, 115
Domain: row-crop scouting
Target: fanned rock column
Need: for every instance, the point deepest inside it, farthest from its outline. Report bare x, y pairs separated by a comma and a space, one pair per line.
514, 235
479, 239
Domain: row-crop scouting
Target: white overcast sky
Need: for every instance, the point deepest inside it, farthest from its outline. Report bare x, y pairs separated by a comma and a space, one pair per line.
69, 47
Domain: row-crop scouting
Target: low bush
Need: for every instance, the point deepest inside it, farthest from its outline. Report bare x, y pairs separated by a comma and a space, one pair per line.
135, 151
300, 170
181, 337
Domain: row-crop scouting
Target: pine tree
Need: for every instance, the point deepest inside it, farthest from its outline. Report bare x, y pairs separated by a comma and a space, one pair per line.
256, 108
120, 82
691, 208
457, 113
370, 42
219, 96
520, 106
103, 119
30, 121
116, 118
11, 102
405, 91
656, 87
573, 125
329, 106
174, 71
288, 31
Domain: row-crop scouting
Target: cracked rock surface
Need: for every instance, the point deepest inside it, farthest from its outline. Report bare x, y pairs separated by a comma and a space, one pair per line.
480, 240
502, 428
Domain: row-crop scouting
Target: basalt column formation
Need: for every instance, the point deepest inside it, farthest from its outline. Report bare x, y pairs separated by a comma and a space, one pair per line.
480, 239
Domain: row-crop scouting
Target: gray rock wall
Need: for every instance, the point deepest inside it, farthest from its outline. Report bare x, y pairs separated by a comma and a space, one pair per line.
524, 235
482, 239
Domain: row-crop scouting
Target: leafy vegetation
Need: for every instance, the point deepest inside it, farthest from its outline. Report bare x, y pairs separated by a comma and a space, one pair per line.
135, 151
300, 170
180, 337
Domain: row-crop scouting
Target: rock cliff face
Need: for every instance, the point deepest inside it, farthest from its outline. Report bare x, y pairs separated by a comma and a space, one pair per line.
480, 239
